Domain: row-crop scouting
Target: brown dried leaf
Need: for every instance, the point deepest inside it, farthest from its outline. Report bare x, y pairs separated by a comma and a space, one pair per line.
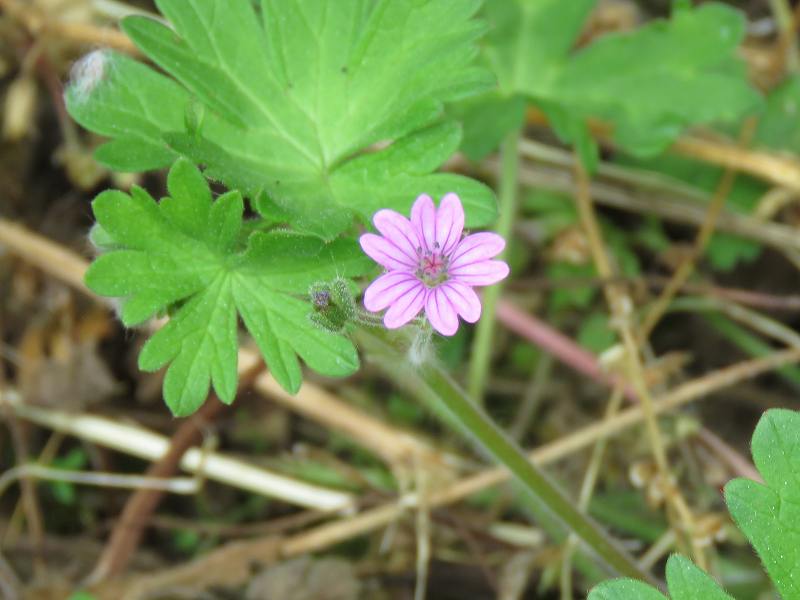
59, 361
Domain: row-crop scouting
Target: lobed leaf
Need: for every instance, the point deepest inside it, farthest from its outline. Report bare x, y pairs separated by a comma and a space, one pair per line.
769, 513
649, 84
291, 97
186, 256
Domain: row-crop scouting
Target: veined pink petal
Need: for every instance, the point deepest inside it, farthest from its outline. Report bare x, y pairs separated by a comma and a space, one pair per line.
464, 300
386, 254
440, 312
449, 222
398, 230
477, 247
405, 308
484, 272
387, 288
423, 219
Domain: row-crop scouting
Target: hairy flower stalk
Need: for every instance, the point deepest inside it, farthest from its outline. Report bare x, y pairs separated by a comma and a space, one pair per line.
430, 265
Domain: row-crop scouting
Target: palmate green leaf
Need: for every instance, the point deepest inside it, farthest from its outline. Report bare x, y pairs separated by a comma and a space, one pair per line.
526, 40
769, 514
654, 82
649, 84
186, 255
291, 96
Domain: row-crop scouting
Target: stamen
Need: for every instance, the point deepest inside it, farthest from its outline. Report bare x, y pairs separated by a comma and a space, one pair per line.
432, 268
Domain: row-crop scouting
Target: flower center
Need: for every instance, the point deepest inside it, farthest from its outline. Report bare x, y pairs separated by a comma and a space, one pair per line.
432, 267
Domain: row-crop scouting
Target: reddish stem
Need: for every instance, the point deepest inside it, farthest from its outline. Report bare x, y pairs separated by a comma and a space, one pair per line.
559, 345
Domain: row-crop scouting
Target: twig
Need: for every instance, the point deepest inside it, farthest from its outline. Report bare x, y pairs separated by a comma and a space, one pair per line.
684, 394
657, 551
139, 507
45, 458
10, 585
621, 308
751, 344
531, 397
670, 207
555, 343
29, 500
685, 269
787, 43
138, 441
631, 177
763, 300
752, 319
528, 327
56, 260
116, 10
39, 24
92, 35
735, 461
182, 485
777, 169
392, 444
229, 565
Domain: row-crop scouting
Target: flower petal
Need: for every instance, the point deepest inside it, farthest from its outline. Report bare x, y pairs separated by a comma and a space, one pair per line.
387, 289
398, 230
440, 312
423, 219
449, 223
405, 308
464, 300
385, 253
477, 247
485, 272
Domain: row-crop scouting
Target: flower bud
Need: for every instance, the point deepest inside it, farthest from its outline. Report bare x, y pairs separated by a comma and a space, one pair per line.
333, 304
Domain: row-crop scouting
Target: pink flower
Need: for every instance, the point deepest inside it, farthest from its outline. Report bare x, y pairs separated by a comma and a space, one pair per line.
430, 266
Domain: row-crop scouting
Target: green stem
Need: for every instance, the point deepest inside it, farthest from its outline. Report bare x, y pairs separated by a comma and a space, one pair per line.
484, 332
433, 385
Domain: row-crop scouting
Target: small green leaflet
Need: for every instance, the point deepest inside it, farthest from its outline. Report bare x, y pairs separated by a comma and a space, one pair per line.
649, 84
281, 102
778, 126
769, 515
625, 589
684, 579
187, 256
